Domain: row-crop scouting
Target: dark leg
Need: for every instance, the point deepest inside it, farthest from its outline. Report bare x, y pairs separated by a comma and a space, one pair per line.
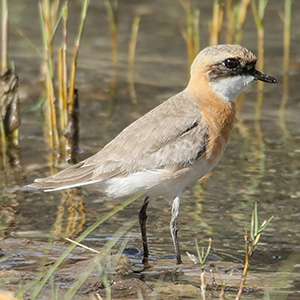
174, 227
142, 219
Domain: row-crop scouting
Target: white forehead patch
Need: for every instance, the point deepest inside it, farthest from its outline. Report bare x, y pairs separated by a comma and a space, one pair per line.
229, 88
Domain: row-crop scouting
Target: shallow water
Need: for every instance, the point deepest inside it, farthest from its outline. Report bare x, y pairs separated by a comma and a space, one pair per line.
261, 162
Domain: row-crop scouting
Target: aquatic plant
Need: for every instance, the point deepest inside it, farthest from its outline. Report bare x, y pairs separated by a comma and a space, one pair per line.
216, 21
236, 14
191, 34
131, 58
48, 31
251, 244
65, 138
259, 16
287, 19
38, 284
9, 100
4, 36
112, 13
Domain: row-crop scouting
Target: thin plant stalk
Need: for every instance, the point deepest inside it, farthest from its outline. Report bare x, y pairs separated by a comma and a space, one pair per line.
70, 99
51, 111
286, 65
47, 34
203, 284
236, 14
66, 99
10, 84
223, 283
131, 58
96, 261
216, 23
259, 15
112, 13
246, 266
31, 44
85, 6
191, 34
105, 279
3, 142
113, 24
202, 255
88, 231
63, 84
287, 34
63, 73
230, 21
52, 21
4, 36
196, 31
251, 244
242, 15
61, 95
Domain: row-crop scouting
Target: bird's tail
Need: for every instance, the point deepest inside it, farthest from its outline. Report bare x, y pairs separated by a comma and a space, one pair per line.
75, 176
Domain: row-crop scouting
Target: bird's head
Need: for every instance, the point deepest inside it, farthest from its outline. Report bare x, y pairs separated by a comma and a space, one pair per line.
228, 69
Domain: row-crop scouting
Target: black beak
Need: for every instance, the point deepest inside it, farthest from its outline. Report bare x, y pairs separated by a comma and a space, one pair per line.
263, 77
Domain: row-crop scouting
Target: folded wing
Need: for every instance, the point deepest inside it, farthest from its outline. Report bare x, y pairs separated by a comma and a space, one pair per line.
171, 136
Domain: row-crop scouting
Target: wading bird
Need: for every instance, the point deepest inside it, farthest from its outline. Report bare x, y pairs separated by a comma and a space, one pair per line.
174, 144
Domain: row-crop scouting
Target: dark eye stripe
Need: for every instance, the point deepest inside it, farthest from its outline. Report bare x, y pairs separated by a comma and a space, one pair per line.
220, 69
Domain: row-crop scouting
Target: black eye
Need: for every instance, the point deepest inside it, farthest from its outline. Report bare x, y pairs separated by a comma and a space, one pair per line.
231, 63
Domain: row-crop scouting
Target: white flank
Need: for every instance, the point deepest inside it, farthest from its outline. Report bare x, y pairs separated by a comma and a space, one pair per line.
132, 184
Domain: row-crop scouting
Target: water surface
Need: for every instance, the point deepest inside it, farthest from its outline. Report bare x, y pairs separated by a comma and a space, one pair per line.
261, 162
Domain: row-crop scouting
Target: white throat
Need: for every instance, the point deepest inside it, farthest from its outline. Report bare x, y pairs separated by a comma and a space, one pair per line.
229, 88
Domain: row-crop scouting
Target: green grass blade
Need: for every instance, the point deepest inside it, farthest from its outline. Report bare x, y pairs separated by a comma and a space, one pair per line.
252, 225
97, 260
198, 252
255, 219
88, 231
264, 224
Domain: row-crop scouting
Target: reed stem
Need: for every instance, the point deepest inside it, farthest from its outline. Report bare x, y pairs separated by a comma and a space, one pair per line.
259, 15
131, 57
216, 23
286, 65
51, 111
3, 142
112, 13
251, 243
191, 34
64, 87
4, 37
287, 34
84, 9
